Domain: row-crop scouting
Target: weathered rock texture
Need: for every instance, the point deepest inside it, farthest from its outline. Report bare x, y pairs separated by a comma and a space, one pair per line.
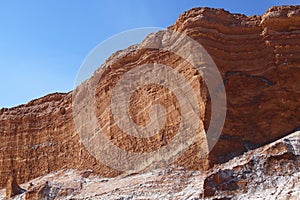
258, 57
269, 172
12, 187
39, 138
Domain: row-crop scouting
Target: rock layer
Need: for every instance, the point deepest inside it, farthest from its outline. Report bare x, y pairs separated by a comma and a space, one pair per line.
269, 172
259, 60
258, 57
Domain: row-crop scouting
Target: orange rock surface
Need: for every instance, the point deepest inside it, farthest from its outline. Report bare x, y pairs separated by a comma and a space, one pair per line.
258, 57
268, 172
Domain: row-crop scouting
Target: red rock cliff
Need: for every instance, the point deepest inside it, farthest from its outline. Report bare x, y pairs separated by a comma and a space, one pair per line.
258, 57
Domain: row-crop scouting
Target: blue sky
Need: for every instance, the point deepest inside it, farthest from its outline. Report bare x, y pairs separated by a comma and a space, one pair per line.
43, 43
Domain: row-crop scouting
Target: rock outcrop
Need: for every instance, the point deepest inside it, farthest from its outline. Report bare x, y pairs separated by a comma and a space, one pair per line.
37, 138
42, 191
12, 187
259, 60
258, 57
268, 172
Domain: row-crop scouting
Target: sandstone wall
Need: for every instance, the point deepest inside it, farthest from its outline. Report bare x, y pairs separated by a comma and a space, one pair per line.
258, 57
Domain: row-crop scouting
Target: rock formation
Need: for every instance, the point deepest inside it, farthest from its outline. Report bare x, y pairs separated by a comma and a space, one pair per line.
259, 60
268, 172
258, 57
42, 191
12, 187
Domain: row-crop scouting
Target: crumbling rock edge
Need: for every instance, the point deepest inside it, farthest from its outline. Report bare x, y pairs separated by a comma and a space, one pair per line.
269, 172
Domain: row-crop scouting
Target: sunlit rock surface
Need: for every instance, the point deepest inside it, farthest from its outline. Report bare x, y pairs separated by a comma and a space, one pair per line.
258, 58
269, 172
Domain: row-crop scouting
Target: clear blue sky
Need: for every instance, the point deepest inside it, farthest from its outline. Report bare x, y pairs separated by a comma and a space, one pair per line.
43, 43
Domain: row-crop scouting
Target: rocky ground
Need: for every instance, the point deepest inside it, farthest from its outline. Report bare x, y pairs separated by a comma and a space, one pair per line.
269, 172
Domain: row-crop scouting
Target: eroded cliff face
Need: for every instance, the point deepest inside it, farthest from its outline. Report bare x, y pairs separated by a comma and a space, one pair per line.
268, 172
258, 58
40, 137
259, 61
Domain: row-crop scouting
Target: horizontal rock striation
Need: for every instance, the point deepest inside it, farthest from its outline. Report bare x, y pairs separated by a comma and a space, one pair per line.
39, 137
258, 57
